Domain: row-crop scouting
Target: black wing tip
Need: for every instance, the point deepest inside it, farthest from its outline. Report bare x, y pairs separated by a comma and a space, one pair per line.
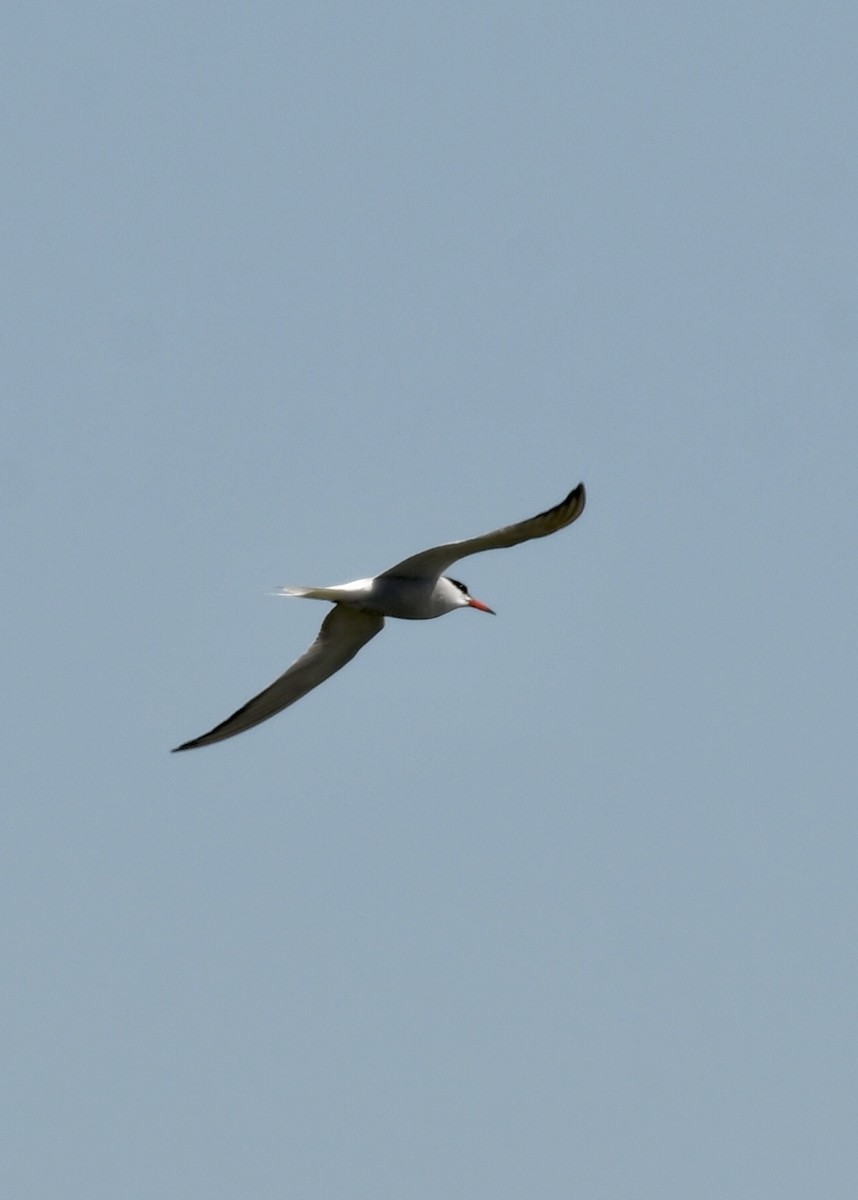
184, 746
205, 739
570, 508
574, 503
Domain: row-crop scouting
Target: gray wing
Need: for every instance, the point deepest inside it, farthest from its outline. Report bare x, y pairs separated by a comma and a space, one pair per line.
435, 561
344, 631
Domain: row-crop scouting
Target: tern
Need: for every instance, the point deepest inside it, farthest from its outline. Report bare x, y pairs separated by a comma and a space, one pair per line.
414, 590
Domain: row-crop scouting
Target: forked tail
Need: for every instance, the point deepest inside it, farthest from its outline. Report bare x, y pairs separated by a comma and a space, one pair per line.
332, 594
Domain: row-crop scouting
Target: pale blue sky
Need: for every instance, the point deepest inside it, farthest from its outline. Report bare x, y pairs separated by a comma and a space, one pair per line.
559, 903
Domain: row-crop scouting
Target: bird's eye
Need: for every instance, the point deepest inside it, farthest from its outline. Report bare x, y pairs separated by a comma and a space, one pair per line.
460, 586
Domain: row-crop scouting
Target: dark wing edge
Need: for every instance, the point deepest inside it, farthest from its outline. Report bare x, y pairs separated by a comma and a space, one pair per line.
438, 558
343, 633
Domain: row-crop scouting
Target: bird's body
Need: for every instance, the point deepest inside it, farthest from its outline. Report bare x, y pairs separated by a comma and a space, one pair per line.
391, 596
413, 590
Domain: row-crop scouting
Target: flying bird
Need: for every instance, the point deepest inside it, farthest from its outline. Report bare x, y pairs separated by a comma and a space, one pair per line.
414, 590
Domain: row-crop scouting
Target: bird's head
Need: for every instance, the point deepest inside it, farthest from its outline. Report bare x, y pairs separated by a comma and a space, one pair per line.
460, 597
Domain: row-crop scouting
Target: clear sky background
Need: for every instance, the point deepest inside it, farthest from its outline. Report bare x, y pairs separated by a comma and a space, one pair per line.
551, 904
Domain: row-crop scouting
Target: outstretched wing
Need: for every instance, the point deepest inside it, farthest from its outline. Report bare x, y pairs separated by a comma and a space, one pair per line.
435, 561
344, 631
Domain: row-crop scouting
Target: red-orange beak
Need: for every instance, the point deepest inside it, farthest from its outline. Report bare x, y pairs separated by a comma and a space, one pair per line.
479, 604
